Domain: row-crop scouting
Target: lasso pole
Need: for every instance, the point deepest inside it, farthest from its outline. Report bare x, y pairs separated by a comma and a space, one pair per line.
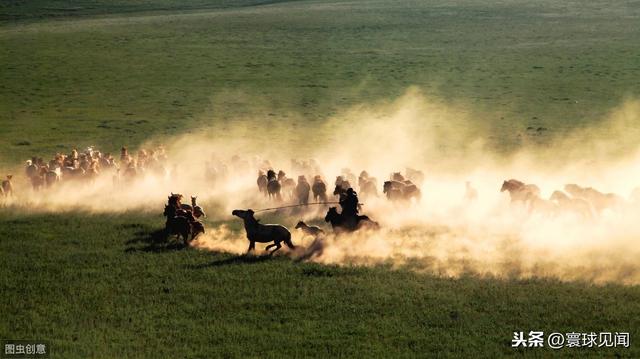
297, 205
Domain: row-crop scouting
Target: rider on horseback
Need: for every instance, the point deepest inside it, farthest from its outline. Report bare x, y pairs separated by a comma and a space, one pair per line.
349, 204
348, 220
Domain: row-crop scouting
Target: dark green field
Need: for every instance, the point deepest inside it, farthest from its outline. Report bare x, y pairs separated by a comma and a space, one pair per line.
113, 78
108, 73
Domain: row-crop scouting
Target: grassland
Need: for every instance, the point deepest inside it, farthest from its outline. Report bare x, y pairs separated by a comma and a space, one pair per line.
106, 287
112, 72
121, 77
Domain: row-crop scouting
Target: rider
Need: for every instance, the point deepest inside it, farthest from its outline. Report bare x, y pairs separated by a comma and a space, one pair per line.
349, 204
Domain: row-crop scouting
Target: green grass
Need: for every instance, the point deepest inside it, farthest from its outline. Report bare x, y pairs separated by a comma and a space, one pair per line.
106, 287
122, 77
107, 73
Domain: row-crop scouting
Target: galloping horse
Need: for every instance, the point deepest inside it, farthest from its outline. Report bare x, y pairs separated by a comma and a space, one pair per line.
177, 223
181, 220
262, 182
319, 189
401, 191
578, 206
600, 201
273, 186
340, 223
263, 233
519, 191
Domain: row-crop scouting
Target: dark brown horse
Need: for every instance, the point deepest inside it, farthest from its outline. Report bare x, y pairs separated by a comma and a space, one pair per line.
181, 221
177, 223
319, 189
263, 233
340, 223
262, 182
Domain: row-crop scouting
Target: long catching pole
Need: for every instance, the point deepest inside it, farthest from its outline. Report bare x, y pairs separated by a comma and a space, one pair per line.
294, 205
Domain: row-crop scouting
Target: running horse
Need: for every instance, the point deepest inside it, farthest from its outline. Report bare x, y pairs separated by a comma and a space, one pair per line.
519, 191
341, 223
263, 233
180, 220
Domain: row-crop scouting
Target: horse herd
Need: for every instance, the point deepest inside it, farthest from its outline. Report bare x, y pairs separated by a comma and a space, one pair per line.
585, 202
184, 220
279, 187
90, 163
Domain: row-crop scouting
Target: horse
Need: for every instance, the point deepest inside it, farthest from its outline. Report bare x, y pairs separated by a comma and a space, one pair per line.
536, 204
6, 187
519, 191
181, 221
197, 227
415, 176
197, 210
578, 206
362, 178
339, 223
34, 174
288, 186
263, 233
31, 168
262, 182
404, 191
319, 189
368, 187
52, 177
348, 176
600, 201
302, 190
397, 176
341, 182
72, 173
273, 189
313, 231
177, 222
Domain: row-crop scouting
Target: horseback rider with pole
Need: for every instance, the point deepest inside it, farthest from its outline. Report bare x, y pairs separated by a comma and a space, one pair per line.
349, 203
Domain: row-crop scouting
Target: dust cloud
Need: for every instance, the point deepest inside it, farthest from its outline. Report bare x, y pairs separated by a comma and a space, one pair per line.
444, 233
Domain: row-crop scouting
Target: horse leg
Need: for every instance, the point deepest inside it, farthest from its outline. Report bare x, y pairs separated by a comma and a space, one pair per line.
289, 243
269, 246
184, 233
277, 245
252, 246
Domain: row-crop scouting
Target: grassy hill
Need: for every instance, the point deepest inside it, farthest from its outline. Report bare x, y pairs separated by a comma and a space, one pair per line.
105, 80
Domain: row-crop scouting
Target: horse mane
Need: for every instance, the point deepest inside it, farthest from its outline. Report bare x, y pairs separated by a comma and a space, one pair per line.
515, 182
252, 220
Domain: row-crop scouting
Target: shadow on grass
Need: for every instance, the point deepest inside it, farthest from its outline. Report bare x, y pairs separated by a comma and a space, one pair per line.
156, 241
239, 259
